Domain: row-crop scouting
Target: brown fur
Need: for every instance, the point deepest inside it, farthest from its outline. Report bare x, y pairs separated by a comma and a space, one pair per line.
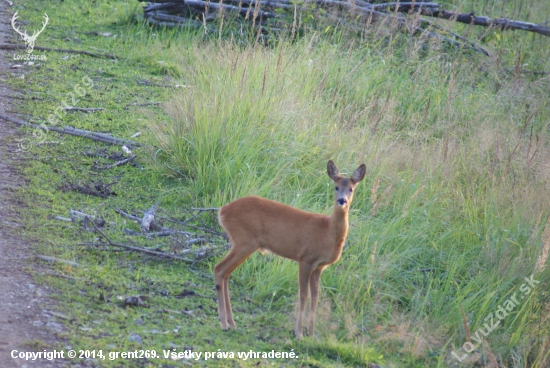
313, 240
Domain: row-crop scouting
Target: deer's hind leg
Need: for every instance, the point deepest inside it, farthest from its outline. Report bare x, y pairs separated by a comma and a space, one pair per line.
222, 271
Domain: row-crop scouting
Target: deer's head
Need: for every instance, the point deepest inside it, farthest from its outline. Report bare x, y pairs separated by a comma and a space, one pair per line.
344, 186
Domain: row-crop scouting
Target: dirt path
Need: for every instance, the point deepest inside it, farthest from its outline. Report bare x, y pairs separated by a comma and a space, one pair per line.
26, 323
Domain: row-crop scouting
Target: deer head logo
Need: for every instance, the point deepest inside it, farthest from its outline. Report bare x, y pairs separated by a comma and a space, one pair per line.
29, 40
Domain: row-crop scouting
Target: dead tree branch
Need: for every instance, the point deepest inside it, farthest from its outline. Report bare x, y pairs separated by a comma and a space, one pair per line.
197, 13
100, 137
502, 23
140, 249
83, 109
118, 163
53, 259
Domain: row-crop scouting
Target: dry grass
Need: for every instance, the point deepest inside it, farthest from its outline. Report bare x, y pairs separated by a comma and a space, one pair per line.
541, 260
418, 339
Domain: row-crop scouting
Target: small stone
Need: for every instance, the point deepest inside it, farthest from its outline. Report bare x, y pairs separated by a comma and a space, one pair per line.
135, 338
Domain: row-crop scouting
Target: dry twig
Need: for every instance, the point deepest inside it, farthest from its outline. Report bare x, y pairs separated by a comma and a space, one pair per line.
101, 137
83, 109
118, 163
53, 259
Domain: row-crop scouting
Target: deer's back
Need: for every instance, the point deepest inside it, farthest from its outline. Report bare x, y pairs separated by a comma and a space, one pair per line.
274, 226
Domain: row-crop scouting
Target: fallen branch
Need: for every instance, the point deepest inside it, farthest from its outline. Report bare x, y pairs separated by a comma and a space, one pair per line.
142, 250
60, 218
53, 274
59, 315
83, 109
456, 35
212, 209
132, 217
143, 104
163, 5
177, 20
403, 7
206, 230
200, 251
118, 163
194, 245
195, 241
242, 11
53, 259
156, 234
502, 23
195, 13
145, 82
185, 223
9, 46
100, 137
418, 30
98, 189
80, 215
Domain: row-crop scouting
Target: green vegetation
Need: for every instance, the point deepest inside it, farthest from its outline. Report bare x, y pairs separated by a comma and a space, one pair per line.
453, 213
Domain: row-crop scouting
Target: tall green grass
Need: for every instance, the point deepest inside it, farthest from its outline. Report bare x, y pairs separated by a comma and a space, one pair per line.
452, 213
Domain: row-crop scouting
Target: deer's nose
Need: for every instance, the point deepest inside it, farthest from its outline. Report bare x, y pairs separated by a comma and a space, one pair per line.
342, 201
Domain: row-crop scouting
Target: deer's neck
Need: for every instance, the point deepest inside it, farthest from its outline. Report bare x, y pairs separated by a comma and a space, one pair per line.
339, 224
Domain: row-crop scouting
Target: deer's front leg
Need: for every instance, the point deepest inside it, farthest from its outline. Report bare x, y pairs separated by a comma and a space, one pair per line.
303, 279
314, 287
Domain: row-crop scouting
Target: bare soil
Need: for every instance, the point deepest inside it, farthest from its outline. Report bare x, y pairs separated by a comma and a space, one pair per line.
26, 319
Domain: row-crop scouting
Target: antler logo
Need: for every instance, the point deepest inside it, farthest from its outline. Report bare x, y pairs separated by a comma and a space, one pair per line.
29, 40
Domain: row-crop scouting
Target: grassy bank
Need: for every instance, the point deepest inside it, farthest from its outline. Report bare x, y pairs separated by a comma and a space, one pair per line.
450, 220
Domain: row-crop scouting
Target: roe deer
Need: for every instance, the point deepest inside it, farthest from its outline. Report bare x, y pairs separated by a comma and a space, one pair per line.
313, 240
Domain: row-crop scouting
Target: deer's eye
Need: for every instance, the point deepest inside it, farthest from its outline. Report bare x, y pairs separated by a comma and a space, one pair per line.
351, 189
336, 188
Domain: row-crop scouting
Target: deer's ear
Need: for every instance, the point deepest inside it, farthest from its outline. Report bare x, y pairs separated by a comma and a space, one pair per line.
359, 174
332, 171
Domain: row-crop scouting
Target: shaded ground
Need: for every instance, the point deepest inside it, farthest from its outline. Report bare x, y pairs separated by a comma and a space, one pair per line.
26, 322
